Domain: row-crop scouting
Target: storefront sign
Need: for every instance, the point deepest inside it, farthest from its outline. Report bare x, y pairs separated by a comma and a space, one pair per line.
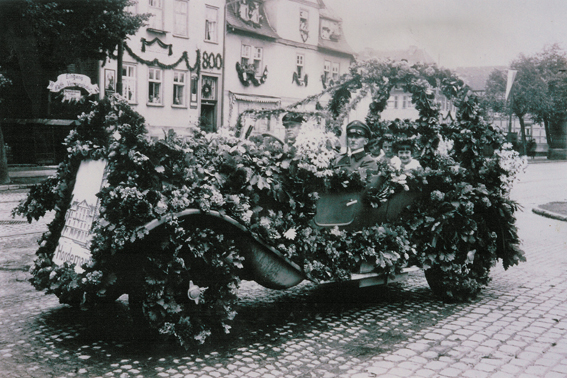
74, 243
73, 80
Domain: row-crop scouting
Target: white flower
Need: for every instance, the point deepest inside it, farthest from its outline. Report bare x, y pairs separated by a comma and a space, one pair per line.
116, 135
290, 234
195, 292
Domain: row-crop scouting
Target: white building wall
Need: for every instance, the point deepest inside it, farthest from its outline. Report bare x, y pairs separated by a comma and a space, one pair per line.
279, 55
168, 115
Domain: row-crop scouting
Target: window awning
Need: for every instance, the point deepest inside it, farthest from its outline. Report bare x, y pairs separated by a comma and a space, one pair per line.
257, 99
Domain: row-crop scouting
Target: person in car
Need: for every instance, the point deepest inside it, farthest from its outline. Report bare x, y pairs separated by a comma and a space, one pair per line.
356, 157
404, 159
292, 123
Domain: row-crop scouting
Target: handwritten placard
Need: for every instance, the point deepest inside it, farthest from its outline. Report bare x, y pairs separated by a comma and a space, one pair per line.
74, 243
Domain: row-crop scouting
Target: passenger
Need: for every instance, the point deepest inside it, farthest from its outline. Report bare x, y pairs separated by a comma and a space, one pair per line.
356, 157
404, 159
387, 150
292, 123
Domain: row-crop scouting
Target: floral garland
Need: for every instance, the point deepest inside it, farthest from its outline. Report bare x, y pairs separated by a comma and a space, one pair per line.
155, 62
299, 81
160, 43
247, 75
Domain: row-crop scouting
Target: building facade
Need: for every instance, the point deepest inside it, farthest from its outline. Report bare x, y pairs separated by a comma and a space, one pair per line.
278, 52
171, 70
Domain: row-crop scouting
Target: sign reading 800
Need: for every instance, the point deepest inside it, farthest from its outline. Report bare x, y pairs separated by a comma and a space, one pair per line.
211, 60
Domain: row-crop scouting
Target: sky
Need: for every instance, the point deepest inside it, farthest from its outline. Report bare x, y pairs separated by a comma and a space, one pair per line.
455, 33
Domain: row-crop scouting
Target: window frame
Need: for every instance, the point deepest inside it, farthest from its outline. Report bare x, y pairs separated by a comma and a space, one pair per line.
129, 82
179, 84
184, 33
245, 53
257, 58
300, 66
302, 12
215, 31
335, 74
156, 21
152, 84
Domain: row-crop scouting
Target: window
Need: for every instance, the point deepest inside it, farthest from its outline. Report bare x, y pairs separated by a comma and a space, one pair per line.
404, 102
211, 26
336, 67
245, 55
154, 85
181, 18
329, 30
209, 88
249, 11
251, 57
299, 63
179, 88
304, 20
304, 24
156, 8
129, 83
257, 59
395, 102
327, 71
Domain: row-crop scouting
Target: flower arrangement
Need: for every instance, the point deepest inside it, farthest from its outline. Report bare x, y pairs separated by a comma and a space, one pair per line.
183, 279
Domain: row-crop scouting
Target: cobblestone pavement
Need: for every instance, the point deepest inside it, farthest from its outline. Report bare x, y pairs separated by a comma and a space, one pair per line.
516, 328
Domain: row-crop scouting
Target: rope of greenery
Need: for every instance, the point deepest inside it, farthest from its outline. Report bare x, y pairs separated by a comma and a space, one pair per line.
462, 224
155, 62
145, 43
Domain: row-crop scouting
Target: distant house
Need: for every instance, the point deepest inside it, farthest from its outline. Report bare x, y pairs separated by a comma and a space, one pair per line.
278, 52
412, 55
399, 104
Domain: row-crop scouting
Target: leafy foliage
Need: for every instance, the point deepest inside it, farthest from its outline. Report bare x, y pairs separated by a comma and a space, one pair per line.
184, 274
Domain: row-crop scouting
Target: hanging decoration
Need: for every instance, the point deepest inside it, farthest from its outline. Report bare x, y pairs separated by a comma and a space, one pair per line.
327, 83
247, 75
304, 25
184, 58
249, 12
160, 43
212, 61
206, 90
299, 81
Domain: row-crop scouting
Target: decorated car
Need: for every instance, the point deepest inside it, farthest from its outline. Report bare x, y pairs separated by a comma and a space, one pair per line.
177, 223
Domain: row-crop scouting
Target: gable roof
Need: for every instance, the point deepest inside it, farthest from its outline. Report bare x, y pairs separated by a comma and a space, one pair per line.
476, 77
264, 29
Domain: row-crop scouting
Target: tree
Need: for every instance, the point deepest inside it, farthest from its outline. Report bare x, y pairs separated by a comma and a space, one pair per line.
539, 90
42, 37
552, 63
4, 176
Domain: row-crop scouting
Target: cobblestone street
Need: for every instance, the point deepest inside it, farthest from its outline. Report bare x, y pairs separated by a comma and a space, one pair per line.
517, 327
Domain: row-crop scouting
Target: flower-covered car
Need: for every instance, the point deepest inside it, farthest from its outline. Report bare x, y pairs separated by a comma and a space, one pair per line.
178, 223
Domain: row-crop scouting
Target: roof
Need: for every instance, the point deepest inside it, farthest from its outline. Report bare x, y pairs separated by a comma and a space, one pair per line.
340, 45
476, 77
264, 29
412, 55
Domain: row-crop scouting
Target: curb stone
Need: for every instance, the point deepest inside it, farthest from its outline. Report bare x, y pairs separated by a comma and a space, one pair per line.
549, 214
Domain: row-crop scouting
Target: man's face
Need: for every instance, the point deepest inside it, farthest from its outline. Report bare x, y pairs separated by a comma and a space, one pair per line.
388, 149
291, 131
404, 155
356, 139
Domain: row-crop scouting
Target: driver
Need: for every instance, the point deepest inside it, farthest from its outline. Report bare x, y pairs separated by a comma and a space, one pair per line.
356, 157
292, 123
